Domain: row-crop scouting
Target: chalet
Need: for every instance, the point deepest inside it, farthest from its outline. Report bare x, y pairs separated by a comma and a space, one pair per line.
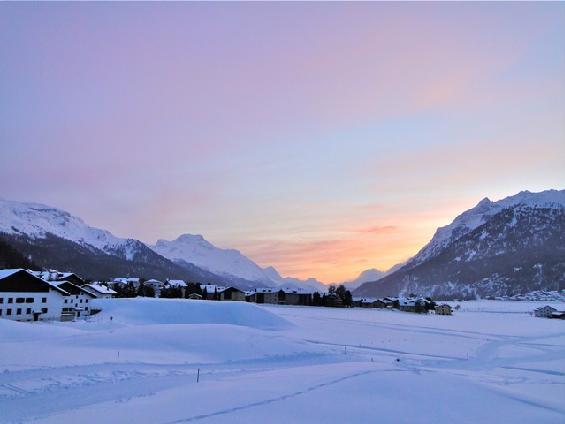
544, 311
298, 296
231, 293
412, 305
280, 296
391, 302
265, 295
26, 297
100, 291
444, 309
76, 303
156, 285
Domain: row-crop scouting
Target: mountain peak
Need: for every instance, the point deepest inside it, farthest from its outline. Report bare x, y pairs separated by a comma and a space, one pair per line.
486, 201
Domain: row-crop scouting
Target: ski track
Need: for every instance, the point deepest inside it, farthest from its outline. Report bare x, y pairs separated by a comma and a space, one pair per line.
274, 399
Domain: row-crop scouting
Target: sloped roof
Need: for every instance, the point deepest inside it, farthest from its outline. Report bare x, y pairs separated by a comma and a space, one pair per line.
99, 288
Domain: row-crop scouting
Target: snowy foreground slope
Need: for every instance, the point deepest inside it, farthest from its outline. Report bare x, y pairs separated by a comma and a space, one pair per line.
284, 364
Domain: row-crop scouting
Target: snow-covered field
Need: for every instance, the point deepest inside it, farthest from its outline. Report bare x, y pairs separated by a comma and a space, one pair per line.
275, 364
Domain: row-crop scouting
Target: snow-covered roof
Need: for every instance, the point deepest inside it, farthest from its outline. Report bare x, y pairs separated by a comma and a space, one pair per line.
4, 273
153, 281
125, 280
365, 299
211, 288
176, 283
99, 288
266, 290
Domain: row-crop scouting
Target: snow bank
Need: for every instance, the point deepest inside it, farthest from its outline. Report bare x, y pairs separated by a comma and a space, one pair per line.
181, 311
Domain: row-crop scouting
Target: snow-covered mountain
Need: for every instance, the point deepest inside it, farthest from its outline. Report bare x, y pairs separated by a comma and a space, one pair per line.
511, 246
36, 221
367, 275
481, 213
225, 262
195, 249
54, 238
372, 274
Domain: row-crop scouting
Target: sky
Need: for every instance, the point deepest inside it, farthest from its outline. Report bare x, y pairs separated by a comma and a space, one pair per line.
320, 138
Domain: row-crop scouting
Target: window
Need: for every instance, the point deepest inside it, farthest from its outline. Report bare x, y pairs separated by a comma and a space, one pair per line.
29, 300
19, 311
1, 300
8, 312
76, 296
10, 300
86, 300
43, 300
0, 312
20, 300
44, 310
81, 301
28, 311
66, 300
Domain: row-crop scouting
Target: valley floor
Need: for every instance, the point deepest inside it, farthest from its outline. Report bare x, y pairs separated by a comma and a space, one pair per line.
275, 364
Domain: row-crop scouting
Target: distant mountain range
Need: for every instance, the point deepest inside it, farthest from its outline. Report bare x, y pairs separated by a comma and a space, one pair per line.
515, 245
511, 246
53, 238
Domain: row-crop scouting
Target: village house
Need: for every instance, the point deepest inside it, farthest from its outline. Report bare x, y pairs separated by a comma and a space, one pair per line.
544, 311
289, 296
26, 297
76, 302
444, 309
412, 305
231, 293
100, 291
264, 295
280, 296
369, 302
156, 285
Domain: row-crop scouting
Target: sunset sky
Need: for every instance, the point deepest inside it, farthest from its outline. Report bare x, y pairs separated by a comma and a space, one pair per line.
321, 138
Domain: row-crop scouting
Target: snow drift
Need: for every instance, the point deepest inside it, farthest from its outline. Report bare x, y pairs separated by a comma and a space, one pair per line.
180, 311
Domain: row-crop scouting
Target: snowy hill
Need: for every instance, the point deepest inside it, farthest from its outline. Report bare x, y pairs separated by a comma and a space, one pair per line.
512, 246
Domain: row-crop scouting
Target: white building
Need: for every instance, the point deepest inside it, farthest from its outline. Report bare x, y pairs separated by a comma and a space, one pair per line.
25, 297
100, 291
